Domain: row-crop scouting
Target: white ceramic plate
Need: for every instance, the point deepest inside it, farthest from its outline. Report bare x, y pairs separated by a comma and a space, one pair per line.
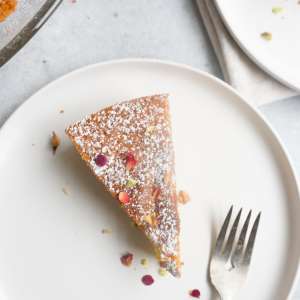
51, 244
246, 20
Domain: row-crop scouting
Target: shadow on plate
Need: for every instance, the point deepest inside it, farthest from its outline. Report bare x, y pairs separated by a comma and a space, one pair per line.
100, 201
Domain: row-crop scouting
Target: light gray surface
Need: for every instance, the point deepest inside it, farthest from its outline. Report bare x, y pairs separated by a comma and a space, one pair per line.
91, 31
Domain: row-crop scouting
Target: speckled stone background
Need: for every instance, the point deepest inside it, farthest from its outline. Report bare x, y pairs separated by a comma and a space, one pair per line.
91, 31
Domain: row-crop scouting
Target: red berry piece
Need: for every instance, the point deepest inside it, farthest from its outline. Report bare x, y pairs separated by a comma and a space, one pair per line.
147, 280
101, 160
124, 198
127, 259
130, 161
195, 293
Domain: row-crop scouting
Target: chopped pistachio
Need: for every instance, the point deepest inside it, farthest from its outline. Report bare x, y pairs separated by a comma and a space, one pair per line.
131, 183
162, 272
266, 36
144, 262
277, 10
168, 177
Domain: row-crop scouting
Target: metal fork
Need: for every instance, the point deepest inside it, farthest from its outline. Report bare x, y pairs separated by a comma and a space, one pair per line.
230, 262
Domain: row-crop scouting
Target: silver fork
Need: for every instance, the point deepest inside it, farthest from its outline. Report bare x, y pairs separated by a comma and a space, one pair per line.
230, 263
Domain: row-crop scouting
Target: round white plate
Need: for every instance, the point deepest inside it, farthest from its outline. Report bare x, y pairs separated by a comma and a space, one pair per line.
246, 20
51, 244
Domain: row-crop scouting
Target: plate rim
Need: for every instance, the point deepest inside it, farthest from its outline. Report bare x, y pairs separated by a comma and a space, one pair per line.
250, 55
206, 75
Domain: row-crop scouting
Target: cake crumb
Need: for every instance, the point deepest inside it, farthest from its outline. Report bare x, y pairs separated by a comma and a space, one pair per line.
55, 142
65, 191
61, 111
183, 197
106, 231
127, 259
147, 280
195, 293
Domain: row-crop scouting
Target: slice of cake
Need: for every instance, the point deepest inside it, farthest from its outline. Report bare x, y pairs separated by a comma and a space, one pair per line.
129, 148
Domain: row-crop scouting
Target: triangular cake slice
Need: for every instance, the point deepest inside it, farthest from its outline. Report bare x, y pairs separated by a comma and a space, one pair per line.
129, 148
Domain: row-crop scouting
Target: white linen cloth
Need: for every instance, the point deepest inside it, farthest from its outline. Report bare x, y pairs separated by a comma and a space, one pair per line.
239, 71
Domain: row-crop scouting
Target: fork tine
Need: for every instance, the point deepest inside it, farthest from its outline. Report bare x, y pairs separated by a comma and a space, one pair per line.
229, 244
237, 254
223, 231
251, 242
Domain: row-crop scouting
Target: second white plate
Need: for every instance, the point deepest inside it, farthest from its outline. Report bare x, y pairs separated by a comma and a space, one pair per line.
246, 20
51, 246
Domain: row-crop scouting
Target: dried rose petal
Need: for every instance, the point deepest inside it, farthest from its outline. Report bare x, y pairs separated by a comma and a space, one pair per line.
101, 160
163, 264
123, 197
277, 10
127, 259
195, 293
130, 161
162, 272
147, 280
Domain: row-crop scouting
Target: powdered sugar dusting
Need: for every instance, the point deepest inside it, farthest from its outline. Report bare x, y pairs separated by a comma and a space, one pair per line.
140, 127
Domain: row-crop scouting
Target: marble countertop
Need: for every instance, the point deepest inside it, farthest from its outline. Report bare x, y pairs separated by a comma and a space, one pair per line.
88, 31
